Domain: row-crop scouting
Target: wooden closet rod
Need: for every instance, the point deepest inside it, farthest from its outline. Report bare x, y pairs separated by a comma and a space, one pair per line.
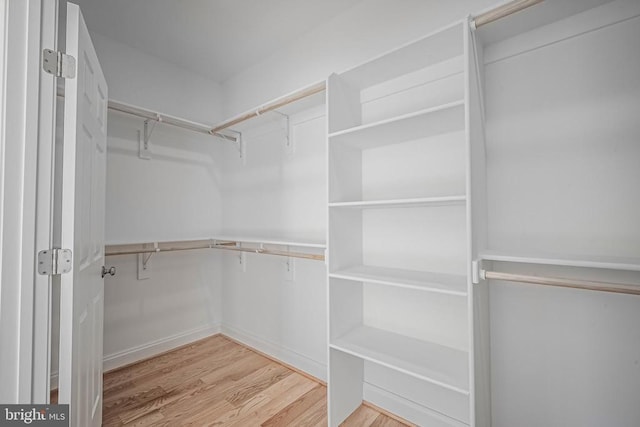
502, 11
278, 103
151, 248
164, 118
143, 113
618, 288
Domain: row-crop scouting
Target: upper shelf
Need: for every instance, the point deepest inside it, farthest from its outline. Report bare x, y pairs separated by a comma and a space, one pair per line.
421, 124
600, 262
536, 16
271, 241
429, 50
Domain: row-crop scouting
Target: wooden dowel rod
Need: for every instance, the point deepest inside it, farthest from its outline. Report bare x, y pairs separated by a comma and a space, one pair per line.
503, 11
152, 250
317, 88
150, 115
210, 245
563, 283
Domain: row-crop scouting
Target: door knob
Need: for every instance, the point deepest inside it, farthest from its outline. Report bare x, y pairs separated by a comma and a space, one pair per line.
111, 271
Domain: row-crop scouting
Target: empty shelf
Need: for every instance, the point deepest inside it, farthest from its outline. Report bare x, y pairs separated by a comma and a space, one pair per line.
271, 241
433, 282
399, 203
422, 124
437, 364
602, 262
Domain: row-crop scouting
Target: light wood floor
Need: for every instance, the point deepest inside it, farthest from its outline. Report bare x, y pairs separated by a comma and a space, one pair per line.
217, 381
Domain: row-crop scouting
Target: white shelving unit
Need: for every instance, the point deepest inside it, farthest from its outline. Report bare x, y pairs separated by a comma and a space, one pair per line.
399, 236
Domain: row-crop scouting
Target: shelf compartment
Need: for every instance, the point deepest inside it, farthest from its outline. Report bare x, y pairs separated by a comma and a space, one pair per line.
437, 364
420, 169
402, 203
600, 262
431, 282
425, 123
428, 239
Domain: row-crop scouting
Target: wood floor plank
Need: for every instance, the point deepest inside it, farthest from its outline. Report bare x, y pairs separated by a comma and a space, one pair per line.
316, 415
234, 371
285, 416
249, 389
170, 384
384, 421
201, 399
149, 373
361, 417
147, 420
280, 394
124, 374
219, 382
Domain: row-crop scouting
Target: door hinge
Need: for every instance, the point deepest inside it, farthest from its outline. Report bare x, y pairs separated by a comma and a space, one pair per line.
59, 64
54, 261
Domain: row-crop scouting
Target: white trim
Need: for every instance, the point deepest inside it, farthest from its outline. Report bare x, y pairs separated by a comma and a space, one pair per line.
20, 78
44, 208
153, 348
407, 409
277, 351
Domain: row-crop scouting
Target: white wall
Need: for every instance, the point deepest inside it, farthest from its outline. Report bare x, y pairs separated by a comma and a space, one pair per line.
280, 194
562, 155
368, 29
176, 195
173, 196
141, 79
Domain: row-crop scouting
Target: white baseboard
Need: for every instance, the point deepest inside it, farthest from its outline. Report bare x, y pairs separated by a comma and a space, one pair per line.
277, 351
145, 351
407, 409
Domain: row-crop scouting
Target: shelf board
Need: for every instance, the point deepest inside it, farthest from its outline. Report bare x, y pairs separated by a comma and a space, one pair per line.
421, 124
273, 241
400, 203
438, 46
424, 281
602, 262
434, 363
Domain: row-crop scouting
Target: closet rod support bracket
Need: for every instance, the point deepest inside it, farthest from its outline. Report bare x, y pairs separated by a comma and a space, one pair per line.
477, 271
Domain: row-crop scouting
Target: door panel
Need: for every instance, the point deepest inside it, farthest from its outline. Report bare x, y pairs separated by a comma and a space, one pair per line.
83, 198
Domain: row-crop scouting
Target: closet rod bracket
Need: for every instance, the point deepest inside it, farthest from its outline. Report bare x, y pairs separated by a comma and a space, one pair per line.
144, 138
477, 271
286, 127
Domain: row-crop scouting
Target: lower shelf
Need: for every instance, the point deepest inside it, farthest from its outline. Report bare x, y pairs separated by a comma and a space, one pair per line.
437, 364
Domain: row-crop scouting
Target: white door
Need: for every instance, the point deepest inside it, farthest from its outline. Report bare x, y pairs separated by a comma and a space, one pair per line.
83, 199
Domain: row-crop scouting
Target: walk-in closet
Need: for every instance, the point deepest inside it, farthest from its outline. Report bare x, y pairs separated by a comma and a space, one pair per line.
311, 213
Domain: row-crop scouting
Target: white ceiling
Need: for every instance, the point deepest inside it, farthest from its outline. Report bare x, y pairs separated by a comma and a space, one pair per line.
215, 38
